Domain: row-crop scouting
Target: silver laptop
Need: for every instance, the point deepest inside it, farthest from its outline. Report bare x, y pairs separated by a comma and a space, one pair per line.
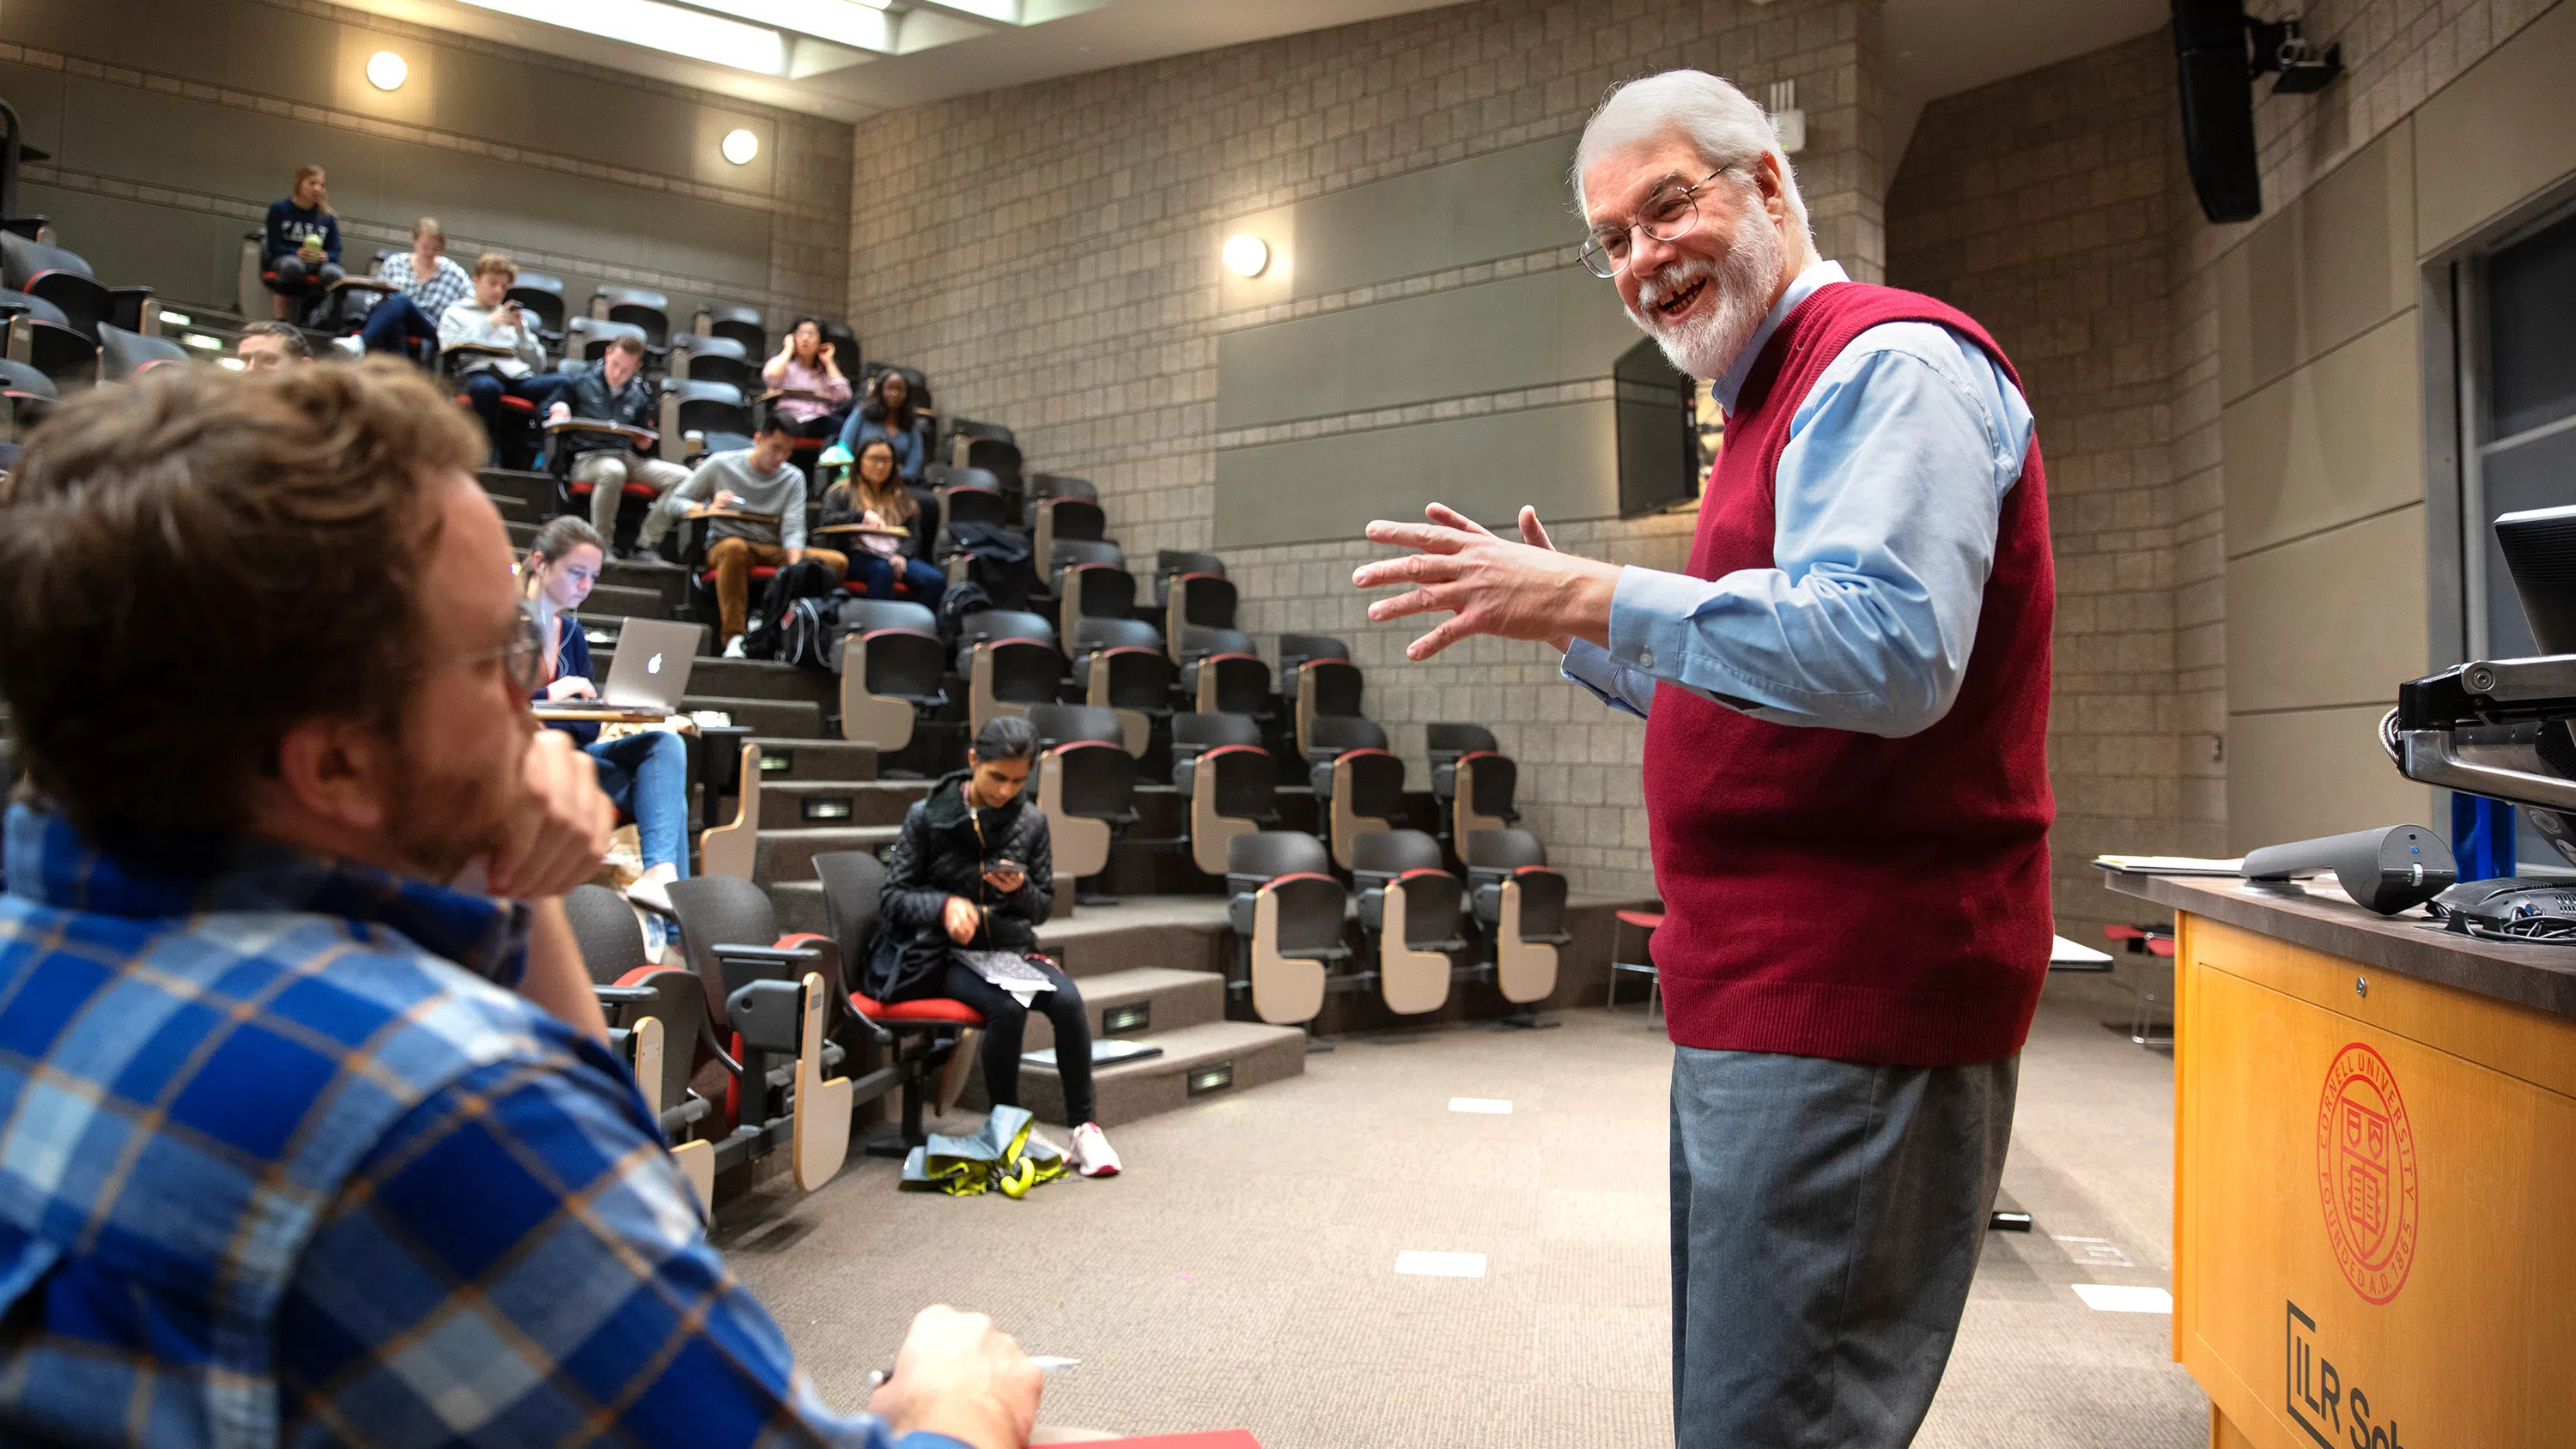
654, 657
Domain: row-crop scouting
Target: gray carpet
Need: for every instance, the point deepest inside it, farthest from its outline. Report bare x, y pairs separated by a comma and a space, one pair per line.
1242, 1272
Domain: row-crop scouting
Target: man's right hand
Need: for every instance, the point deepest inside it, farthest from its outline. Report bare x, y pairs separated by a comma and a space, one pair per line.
956, 1376
960, 918
560, 412
725, 498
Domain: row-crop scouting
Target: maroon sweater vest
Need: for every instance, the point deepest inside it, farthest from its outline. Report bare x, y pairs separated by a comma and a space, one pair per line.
1835, 894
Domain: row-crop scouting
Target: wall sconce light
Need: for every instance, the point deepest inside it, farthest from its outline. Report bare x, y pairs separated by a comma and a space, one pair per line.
1788, 123
386, 71
1247, 255
740, 146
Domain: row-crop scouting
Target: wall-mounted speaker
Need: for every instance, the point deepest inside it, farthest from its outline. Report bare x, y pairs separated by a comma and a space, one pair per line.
2217, 107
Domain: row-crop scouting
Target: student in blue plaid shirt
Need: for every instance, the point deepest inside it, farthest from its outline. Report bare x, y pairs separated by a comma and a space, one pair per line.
297, 1144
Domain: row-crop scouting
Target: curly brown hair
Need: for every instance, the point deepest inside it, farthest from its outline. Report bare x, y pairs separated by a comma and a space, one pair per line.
191, 565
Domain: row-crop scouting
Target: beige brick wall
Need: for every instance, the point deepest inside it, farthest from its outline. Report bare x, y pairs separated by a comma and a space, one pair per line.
1049, 255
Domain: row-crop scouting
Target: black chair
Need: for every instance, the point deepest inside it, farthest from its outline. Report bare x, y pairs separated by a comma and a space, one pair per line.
13, 304
1234, 682
638, 307
1409, 908
1009, 660
970, 430
741, 326
1054, 520
1520, 903
1358, 782
1119, 665
1287, 908
1229, 780
919, 1035
1326, 689
29, 393
1194, 643
714, 359
997, 456
705, 417
891, 663
64, 279
1086, 786
1294, 652
342, 308
541, 297
1472, 781
1037, 488
123, 355
1066, 552
1169, 563
1202, 600
666, 1054
1093, 591
775, 998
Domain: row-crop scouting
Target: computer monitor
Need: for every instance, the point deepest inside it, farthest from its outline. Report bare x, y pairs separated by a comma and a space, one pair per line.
2539, 546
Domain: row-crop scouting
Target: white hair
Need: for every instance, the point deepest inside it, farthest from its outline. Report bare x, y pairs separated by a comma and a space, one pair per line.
1723, 122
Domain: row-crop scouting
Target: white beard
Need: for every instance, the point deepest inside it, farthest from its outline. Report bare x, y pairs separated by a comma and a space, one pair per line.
1705, 345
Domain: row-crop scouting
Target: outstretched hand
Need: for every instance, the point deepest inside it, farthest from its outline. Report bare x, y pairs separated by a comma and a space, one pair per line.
1487, 584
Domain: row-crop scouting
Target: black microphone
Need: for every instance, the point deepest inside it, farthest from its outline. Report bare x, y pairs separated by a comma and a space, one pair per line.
2384, 870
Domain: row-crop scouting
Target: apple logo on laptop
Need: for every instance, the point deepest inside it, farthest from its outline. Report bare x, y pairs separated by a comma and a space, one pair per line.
654, 664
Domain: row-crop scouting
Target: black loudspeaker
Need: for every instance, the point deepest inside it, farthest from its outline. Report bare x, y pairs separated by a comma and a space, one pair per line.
2217, 86
2385, 870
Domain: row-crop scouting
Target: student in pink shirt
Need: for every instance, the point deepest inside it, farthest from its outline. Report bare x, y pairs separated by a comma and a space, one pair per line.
804, 365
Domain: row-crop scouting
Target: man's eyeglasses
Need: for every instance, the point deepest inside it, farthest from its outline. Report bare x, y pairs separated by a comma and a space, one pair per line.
1668, 215
522, 657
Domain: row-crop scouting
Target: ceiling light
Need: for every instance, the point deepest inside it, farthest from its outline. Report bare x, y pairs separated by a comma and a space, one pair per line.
1246, 254
673, 28
386, 71
740, 146
846, 22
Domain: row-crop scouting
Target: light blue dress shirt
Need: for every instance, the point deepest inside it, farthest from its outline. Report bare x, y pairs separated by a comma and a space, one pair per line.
1886, 502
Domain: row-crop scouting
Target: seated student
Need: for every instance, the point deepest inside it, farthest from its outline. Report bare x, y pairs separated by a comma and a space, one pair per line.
805, 363
889, 414
872, 496
973, 869
266, 346
757, 479
645, 774
612, 390
376, 1178
406, 323
300, 253
490, 319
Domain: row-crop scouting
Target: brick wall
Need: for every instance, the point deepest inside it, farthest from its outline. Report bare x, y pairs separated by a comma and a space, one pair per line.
1050, 255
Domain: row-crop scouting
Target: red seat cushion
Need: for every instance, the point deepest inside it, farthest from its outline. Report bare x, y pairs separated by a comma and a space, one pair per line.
1648, 919
931, 1009
518, 404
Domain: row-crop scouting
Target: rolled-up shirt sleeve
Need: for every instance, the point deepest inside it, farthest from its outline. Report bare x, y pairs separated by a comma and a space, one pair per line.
1887, 498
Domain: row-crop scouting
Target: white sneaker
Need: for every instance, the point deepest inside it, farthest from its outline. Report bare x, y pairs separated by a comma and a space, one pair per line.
733, 647
1092, 1154
350, 346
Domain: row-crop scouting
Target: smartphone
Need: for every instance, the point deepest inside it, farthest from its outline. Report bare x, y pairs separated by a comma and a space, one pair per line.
1008, 867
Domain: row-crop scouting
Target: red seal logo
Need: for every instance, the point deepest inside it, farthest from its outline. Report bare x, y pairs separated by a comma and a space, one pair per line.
2366, 1173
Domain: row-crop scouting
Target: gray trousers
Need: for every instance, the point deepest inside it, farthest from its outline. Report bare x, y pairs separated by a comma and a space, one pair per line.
1827, 1218
608, 471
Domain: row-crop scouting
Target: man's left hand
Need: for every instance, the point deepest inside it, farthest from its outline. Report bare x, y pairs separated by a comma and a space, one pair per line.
1489, 585
561, 826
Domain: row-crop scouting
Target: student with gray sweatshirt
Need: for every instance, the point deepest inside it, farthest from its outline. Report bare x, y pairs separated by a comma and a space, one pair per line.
753, 480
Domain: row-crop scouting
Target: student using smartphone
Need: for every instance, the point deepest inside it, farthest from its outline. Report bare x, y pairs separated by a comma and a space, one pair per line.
973, 871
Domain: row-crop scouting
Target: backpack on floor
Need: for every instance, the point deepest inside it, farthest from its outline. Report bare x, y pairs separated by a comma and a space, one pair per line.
805, 579
810, 633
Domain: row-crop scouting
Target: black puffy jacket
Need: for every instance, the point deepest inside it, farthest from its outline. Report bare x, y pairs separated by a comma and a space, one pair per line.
942, 852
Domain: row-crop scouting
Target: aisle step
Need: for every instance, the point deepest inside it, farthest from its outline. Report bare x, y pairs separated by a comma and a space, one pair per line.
781, 718
788, 855
1187, 933
535, 490
803, 804
513, 510
1141, 1001
629, 602
671, 586
1211, 1060
787, 761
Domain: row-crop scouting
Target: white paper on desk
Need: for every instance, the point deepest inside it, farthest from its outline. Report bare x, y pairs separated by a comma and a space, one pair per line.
2171, 864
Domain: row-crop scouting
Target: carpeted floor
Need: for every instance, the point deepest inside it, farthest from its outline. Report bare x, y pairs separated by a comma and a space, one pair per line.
1242, 1272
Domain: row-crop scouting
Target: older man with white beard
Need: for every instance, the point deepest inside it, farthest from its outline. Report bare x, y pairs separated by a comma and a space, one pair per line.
1846, 697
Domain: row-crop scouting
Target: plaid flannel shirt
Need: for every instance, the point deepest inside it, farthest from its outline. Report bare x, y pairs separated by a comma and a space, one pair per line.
432, 293
283, 1161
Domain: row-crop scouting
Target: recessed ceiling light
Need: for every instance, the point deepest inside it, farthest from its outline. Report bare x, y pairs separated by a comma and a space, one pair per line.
1246, 254
386, 71
740, 146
